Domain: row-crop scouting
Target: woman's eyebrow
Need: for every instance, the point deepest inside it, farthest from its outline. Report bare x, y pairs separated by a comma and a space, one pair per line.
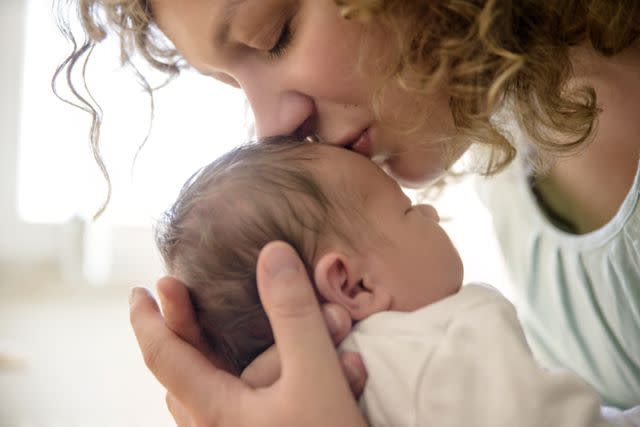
228, 12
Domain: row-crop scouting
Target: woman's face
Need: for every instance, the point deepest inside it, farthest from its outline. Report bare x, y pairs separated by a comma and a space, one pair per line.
298, 63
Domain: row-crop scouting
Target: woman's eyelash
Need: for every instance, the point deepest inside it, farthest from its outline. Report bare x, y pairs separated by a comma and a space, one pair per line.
281, 44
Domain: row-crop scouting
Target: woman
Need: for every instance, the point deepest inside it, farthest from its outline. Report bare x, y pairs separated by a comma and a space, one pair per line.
548, 90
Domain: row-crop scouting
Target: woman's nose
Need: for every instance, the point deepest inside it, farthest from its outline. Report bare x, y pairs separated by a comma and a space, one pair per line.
279, 110
286, 113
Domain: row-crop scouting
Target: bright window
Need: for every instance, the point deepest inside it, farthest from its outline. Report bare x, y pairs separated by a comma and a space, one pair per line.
196, 119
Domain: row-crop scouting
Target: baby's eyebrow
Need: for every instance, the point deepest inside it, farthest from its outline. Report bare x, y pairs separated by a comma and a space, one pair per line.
364, 199
352, 190
364, 195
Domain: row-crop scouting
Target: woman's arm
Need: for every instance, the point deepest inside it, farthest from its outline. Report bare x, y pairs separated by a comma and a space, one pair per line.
311, 389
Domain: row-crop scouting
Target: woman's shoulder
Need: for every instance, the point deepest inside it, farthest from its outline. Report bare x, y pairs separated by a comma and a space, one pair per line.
522, 206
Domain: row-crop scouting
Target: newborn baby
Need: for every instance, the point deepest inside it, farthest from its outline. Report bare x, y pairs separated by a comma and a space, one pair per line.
436, 353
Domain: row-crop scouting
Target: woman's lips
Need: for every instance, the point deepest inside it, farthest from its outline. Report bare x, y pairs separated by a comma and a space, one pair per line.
362, 145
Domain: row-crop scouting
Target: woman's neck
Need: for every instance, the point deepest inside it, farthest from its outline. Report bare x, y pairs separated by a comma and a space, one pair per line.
587, 189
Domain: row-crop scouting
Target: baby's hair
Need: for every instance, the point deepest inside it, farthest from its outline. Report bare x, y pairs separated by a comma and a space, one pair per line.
224, 215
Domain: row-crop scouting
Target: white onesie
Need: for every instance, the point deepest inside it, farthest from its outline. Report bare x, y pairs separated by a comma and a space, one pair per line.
464, 361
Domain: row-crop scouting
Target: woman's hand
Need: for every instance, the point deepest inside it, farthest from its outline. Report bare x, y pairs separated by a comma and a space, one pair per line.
311, 389
265, 369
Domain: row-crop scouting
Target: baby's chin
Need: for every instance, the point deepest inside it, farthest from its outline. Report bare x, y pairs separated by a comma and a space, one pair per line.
456, 288
454, 276
458, 280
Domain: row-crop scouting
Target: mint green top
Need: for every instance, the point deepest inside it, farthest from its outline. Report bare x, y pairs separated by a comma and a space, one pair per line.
578, 296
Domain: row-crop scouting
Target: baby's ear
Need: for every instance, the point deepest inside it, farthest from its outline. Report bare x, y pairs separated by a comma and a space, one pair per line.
339, 280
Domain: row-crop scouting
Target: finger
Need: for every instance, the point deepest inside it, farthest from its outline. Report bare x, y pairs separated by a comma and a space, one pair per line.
338, 321
185, 372
178, 412
180, 317
264, 370
177, 310
298, 326
355, 372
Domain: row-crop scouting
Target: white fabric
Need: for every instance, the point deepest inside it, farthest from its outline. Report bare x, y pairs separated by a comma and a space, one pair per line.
464, 361
620, 418
578, 296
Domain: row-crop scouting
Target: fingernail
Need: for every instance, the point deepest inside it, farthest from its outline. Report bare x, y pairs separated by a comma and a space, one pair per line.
280, 260
161, 293
353, 374
135, 293
132, 294
333, 320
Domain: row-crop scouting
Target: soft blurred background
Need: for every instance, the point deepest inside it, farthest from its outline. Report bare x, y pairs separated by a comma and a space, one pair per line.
67, 354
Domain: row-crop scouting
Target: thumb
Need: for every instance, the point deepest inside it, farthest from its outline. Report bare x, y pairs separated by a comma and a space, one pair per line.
291, 304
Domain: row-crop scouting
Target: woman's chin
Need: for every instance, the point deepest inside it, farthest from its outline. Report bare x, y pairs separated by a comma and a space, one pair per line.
415, 177
416, 169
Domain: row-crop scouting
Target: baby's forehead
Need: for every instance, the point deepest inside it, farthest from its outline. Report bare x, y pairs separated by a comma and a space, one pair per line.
352, 174
346, 174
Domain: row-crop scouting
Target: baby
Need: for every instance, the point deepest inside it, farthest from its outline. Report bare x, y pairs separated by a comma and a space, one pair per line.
437, 353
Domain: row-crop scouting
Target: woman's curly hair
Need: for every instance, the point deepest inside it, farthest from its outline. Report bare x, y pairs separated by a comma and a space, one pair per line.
485, 52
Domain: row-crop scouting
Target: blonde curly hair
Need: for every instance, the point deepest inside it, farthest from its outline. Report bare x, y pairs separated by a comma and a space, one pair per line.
484, 51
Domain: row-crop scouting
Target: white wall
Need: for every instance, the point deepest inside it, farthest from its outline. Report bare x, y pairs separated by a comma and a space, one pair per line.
102, 253
30, 253
20, 243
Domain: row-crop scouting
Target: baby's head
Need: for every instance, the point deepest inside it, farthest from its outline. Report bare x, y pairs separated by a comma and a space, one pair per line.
363, 244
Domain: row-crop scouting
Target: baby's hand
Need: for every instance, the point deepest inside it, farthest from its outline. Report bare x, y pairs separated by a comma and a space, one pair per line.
265, 369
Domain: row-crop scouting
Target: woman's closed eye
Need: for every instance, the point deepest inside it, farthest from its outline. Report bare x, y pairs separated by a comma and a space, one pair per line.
280, 46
